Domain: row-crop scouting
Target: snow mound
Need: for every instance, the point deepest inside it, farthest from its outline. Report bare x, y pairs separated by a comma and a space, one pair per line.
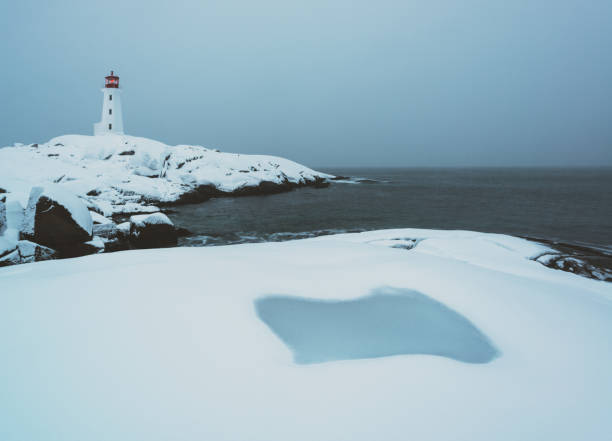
124, 174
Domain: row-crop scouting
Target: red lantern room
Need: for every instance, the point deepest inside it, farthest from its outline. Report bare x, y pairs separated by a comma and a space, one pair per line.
112, 81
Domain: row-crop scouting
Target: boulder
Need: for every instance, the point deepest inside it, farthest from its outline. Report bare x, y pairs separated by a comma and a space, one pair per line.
114, 239
57, 219
153, 230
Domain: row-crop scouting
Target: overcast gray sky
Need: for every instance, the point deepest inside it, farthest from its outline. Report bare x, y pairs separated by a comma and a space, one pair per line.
326, 83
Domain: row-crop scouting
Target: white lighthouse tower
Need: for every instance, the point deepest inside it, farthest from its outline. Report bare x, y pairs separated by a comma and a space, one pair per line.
112, 117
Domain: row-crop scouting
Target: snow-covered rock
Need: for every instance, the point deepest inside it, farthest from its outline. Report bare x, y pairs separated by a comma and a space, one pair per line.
124, 174
33, 252
56, 218
10, 258
105, 230
96, 245
152, 231
26, 252
124, 228
113, 238
99, 219
153, 345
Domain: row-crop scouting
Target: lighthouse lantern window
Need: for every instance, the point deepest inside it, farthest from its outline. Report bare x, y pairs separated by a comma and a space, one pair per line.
112, 81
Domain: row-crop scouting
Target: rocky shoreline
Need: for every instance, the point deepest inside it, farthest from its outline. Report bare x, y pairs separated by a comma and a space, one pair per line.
57, 224
78, 195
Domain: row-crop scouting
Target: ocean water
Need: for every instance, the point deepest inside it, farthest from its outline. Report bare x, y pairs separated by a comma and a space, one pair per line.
569, 205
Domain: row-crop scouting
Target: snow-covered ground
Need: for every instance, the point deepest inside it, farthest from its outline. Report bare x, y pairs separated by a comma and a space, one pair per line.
127, 174
169, 344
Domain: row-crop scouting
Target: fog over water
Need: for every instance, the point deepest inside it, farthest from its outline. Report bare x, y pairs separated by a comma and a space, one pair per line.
326, 83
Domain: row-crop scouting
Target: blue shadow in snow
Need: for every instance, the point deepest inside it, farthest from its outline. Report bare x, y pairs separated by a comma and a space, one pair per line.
387, 322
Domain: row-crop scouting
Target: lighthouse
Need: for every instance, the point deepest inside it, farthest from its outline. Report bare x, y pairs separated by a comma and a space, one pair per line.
112, 118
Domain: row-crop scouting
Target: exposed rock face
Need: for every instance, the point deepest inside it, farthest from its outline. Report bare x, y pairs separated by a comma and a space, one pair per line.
57, 219
152, 231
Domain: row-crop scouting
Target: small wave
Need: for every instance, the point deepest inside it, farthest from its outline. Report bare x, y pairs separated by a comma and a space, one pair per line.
251, 237
356, 180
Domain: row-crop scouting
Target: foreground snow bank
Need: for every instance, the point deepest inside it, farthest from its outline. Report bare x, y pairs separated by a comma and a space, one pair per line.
127, 174
165, 344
